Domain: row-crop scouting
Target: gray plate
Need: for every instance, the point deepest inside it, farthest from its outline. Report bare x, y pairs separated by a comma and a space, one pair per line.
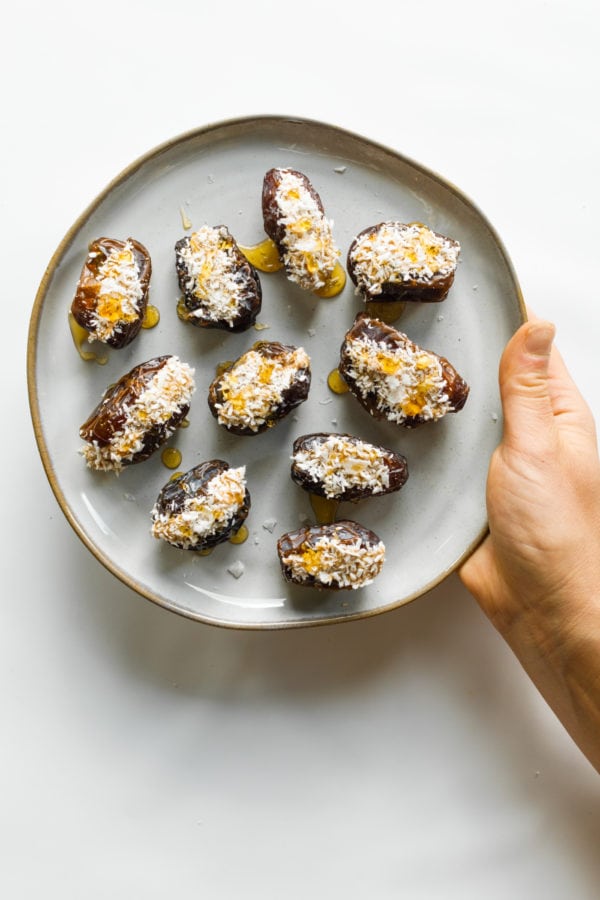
215, 174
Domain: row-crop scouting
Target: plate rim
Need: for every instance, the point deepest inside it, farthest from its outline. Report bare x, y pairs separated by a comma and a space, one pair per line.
32, 342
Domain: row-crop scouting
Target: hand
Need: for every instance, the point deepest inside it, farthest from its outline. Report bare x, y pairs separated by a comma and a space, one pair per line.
537, 574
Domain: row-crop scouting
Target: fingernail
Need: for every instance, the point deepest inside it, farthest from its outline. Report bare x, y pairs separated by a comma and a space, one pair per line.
538, 340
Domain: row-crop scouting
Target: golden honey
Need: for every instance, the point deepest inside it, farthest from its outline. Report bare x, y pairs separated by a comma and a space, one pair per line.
263, 256
336, 382
171, 457
239, 536
334, 284
151, 317
388, 311
325, 510
80, 336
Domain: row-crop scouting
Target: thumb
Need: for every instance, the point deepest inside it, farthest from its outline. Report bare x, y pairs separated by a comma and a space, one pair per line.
524, 383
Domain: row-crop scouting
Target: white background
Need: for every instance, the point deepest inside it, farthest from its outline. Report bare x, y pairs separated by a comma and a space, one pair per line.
144, 755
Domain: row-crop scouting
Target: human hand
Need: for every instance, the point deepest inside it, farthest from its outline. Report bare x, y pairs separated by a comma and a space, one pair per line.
537, 574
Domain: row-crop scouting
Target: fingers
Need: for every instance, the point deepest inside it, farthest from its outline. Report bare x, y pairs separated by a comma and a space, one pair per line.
568, 404
524, 383
563, 390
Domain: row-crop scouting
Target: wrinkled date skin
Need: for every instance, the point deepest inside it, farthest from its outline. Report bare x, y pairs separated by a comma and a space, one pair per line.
290, 398
376, 330
110, 415
395, 462
305, 538
83, 307
250, 298
172, 498
431, 290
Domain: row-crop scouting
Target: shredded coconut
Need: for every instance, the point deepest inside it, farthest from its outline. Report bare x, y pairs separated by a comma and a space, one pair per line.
120, 292
394, 253
169, 390
203, 514
339, 464
332, 561
213, 275
407, 381
310, 253
253, 387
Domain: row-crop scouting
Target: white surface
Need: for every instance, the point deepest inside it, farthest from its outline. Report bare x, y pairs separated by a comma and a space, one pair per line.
441, 512
405, 756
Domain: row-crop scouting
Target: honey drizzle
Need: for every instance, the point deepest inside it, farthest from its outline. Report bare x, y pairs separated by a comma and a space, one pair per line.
182, 310
239, 536
151, 317
388, 311
171, 457
336, 382
223, 366
263, 256
334, 284
80, 336
325, 510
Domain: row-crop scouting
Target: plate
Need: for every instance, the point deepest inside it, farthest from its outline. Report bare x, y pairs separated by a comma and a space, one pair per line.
214, 175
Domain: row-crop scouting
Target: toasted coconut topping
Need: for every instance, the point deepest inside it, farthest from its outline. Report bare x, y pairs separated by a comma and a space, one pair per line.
120, 292
212, 268
332, 561
407, 381
394, 253
203, 514
310, 252
167, 393
339, 465
253, 388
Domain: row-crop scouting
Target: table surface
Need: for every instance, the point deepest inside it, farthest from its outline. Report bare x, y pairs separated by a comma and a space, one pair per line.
145, 755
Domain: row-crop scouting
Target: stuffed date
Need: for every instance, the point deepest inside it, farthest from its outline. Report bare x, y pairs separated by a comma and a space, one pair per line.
343, 555
295, 221
395, 379
394, 261
203, 507
260, 388
221, 289
343, 467
138, 414
112, 291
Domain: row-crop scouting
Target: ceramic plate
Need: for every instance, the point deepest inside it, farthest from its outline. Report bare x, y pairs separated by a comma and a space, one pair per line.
214, 175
